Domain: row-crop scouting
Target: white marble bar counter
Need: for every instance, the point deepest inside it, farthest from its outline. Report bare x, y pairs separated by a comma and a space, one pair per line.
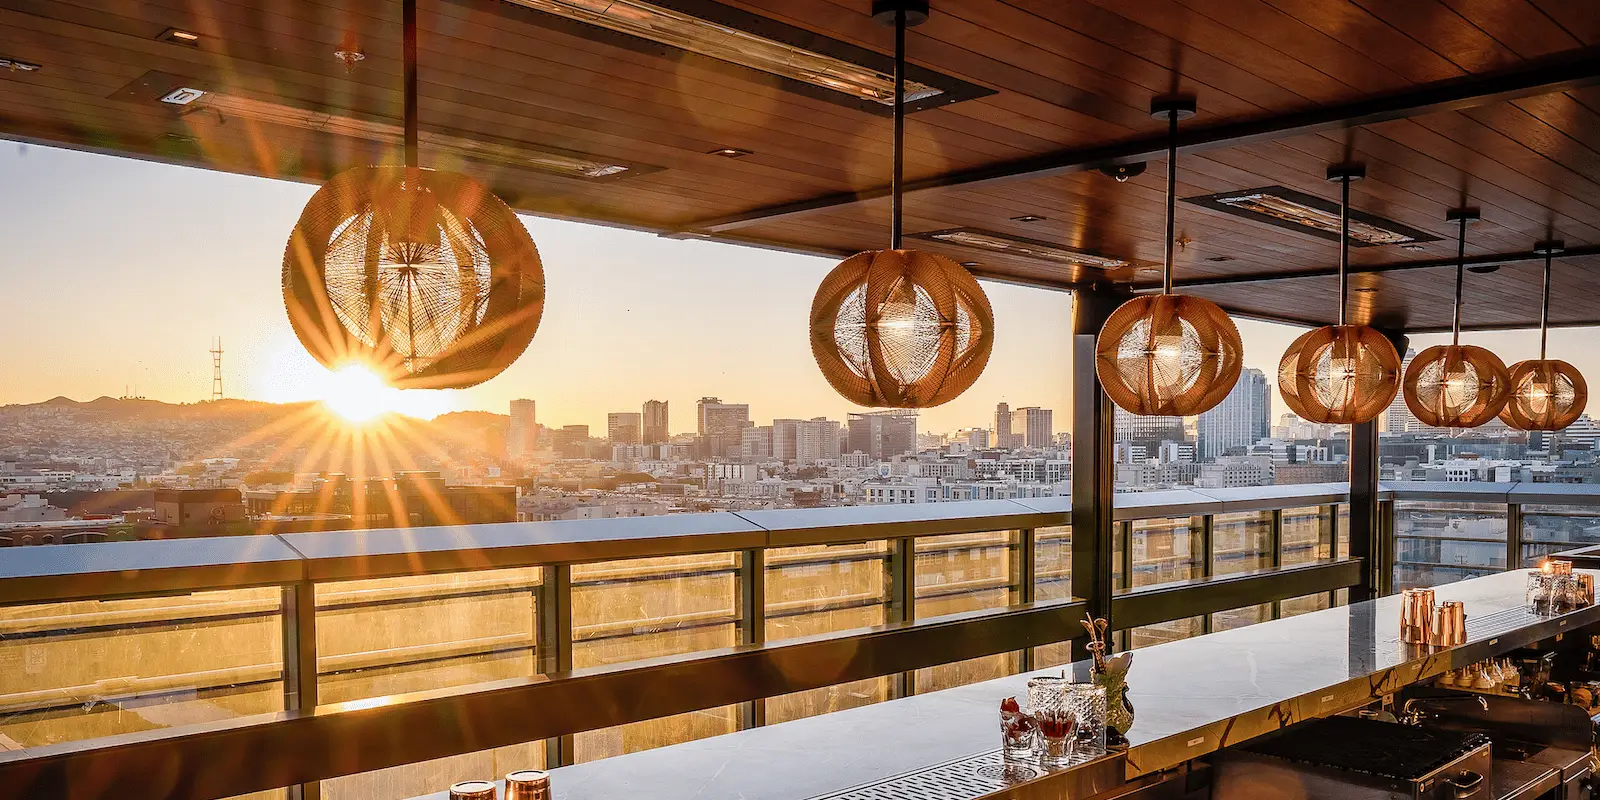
1191, 697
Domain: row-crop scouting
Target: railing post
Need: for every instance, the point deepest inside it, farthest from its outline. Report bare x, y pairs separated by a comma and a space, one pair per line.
753, 621
1330, 525
1277, 554
555, 646
902, 600
1093, 462
1025, 567
1208, 556
1513, 535
298, 615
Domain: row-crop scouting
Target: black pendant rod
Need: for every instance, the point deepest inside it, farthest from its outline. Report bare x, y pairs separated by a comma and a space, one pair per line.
1172, 199
409, 21
1344, 245
1548, 249
897, 179
1461, 278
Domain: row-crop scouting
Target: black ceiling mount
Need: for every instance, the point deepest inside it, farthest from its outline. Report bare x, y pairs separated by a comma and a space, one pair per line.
1550, 247
883, 11
1468, 214
1183, 105
1354, 172
1122, 172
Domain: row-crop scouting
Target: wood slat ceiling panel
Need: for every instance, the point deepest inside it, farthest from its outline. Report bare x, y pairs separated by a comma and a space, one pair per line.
1066, 74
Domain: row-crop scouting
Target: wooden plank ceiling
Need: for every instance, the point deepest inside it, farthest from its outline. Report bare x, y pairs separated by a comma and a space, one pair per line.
1061, 75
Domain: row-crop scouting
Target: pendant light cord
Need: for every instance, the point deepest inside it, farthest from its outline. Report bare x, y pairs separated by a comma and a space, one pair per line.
897, 178
1172, 197
1544, 308
1344, 245
408, 12
1461, 278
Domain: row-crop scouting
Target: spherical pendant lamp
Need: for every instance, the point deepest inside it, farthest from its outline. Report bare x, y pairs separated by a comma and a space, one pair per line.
1547, 394
1456, 385
1340, 374
900, 328
424, 277
1167, 354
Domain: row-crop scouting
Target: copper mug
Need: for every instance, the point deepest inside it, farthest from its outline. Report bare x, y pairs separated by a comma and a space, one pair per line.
473, 790
1586, 584
1416, 616
528, 784
1449, 624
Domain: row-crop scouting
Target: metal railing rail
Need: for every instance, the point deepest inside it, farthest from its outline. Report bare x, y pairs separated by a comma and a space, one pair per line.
300, 742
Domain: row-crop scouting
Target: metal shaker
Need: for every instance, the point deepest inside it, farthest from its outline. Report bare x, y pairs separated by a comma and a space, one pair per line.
528, 784
1416, 616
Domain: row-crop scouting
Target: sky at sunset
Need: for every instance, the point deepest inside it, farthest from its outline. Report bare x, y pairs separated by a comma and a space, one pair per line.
119, 272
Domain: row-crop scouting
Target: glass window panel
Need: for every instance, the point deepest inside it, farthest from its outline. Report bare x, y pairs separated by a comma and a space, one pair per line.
1166, 550
1052, 563
1162, 632
965, 572
429, 777
1438, 542
396, 635
93, 668
1240, 617
961, 673
1241, 542
1549, 529
1052, 655
1343, 523
826, 589
1295, 606
1307, 535
646, 608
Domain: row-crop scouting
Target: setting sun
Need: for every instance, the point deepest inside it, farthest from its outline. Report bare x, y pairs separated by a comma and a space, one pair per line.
356, 394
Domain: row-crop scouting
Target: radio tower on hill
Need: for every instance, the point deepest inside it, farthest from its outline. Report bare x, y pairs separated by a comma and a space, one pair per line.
216, 370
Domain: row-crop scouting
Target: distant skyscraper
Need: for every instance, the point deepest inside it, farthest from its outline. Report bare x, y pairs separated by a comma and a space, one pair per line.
817, 439
655, 422
1032, 427
883, 434
623, 427
1134, 428
755, 443
722, 419
1397, 418
1002, 426
1240, 420
522, 438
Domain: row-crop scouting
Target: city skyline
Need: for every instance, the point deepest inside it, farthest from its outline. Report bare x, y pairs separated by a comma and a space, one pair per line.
627, 320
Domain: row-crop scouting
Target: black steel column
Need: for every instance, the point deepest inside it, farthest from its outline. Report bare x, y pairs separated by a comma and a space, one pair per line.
1365, 530
1093, 465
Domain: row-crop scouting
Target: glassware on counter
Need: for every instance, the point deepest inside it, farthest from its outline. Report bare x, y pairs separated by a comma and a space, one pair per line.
1088, 702
528, 784
1058, 735
1018, 731
473, 790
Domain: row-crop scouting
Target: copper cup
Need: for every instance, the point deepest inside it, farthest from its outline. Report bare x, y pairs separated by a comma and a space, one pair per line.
1416, 616
1449, 624
1586, 581
472, 790
528, 784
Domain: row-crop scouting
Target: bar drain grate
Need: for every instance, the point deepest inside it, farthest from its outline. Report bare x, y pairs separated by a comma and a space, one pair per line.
1491, 625
961, 779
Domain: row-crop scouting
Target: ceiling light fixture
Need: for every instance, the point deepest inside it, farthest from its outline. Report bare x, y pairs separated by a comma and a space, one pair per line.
1298, 211
1168, 355
1023, 247
18, 66
730, 152
182, 96
177, 36
1340, 374
900, 328
1028, 218
1456, 385
423, 276
1547, 394
665, 25
572, 165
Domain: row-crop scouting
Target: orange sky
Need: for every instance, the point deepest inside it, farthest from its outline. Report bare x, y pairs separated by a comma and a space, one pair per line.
119, 272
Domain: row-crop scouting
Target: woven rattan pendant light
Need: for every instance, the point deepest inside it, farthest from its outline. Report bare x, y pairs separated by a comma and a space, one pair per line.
1547, 394
1456, 385
1168, 354
1340, 374
424, 277
900, 328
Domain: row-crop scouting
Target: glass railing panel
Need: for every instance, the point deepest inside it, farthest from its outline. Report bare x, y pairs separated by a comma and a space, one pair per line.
826, 589
390, 636
88, 669
1162, 632
1241, 542
1438, 542
1307, 534
965, 572
1052, 563
1166, 550
1306, 604
1548, 529
429, 777
1240, 617
1342, 525
626, 611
